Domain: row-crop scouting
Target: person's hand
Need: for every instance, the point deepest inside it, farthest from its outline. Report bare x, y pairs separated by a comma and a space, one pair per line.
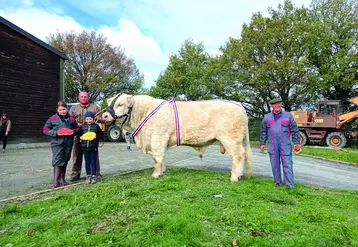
79, 125
81, 137
297, 147
263, 148
6, 133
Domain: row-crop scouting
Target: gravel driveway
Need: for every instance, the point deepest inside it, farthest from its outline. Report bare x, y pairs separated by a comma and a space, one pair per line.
29, 170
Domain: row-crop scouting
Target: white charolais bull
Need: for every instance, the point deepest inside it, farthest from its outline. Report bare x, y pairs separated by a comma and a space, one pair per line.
199, 124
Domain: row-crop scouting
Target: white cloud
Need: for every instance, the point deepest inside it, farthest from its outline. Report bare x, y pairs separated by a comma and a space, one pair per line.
147, 54
38, 22
143, 48
145, 51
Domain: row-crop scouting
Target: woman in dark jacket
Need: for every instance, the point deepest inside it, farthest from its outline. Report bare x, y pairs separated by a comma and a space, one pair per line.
89, 146
61, 144
5, 126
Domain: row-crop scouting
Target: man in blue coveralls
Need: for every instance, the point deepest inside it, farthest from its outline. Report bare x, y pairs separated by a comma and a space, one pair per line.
277, 128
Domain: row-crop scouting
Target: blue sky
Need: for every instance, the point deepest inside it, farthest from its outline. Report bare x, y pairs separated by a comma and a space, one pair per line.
148, 30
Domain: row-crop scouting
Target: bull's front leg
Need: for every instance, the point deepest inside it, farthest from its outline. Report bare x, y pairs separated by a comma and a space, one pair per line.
159, 167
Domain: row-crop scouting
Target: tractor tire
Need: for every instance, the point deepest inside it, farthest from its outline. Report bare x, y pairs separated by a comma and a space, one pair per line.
336, 140
303, 138
114, 134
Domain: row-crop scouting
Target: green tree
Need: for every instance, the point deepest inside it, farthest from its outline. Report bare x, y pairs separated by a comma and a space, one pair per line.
272, 60
95, 66
334, 50
185, 75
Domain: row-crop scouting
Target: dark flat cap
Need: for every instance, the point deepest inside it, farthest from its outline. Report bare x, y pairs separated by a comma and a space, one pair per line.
275, 100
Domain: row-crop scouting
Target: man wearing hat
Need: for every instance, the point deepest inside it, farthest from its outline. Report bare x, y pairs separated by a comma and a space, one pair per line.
277, 128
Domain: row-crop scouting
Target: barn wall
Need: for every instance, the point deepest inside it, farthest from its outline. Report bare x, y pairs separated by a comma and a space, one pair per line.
29, 85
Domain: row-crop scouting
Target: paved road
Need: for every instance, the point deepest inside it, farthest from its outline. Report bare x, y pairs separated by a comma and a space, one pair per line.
28, 170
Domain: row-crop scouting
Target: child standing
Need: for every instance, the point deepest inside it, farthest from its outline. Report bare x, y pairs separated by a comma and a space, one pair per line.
61, 143
89, 146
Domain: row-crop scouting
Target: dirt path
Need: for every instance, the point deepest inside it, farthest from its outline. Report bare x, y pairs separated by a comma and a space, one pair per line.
28, 170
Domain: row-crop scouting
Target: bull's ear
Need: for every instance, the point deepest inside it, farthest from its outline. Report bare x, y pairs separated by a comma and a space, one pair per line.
130, 100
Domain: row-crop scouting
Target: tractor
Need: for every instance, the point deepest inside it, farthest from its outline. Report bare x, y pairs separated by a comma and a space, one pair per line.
328, 123
112, 132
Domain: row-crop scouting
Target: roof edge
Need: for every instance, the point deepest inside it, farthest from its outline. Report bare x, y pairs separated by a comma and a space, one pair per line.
33, 38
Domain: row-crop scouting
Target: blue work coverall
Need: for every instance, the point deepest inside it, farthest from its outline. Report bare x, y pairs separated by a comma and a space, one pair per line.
277, 130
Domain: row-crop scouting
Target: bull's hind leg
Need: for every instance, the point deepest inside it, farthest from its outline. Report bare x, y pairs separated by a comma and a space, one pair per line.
238, 162
237, 153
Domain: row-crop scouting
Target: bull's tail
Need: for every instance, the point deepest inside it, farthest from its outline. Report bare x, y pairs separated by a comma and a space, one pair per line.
248, 157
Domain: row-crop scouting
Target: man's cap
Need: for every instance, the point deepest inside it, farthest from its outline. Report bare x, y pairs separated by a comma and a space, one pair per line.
275, 100
89, 114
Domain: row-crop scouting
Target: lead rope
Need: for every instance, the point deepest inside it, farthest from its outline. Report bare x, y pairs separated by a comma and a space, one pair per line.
103, 131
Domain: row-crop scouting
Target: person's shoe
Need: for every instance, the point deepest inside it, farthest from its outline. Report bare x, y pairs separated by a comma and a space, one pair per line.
89, 180
277, 185
94, 180
56, 177
62, 179
291, 189
3, 151
128, 148
74, 178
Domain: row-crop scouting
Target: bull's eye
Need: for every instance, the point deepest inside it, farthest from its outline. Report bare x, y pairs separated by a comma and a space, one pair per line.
119, 104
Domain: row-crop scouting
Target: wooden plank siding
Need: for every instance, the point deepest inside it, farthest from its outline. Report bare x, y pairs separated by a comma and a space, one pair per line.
30, 85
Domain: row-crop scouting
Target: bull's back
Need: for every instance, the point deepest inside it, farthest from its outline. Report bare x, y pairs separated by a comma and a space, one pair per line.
207, 120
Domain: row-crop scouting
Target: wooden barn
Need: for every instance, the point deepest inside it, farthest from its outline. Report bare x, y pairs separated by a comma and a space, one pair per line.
31, 82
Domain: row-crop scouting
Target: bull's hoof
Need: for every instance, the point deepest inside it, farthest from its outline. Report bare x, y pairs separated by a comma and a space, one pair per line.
157, 175
234, 180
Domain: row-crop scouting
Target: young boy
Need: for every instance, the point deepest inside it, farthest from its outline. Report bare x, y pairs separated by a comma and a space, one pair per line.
89, 145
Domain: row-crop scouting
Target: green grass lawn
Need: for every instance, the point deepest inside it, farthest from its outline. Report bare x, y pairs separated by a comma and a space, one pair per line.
349, 155
184, 208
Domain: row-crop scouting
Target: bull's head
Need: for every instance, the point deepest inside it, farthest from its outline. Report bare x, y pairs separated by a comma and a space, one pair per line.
119, 108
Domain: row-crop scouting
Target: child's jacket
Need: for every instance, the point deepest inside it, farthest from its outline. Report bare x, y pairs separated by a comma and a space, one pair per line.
90, 145
56, 122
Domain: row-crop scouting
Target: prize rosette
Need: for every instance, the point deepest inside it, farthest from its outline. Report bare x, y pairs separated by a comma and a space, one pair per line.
65, 132
88, 136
